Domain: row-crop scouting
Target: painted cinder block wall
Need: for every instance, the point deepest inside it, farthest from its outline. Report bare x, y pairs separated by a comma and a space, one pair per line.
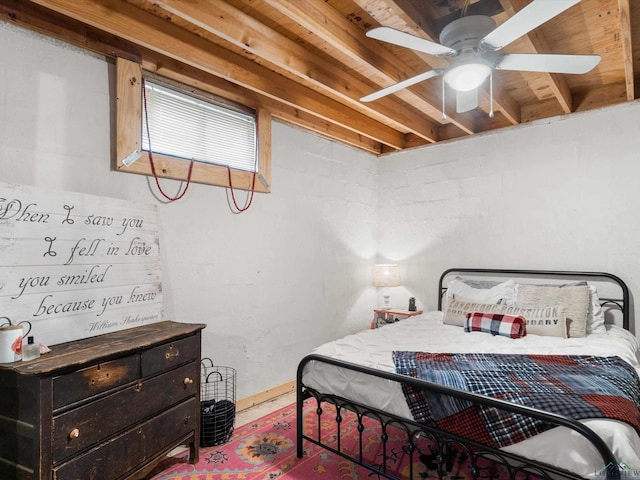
271, 283
558, 194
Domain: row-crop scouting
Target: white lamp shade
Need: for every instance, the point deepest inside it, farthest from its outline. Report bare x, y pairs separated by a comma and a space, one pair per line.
386, 275
466, 77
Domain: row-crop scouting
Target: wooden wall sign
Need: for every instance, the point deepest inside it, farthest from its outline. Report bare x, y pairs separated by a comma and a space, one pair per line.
77, 265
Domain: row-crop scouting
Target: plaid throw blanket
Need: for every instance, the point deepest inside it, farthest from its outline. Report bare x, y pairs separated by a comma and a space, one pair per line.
496, 324
574, 386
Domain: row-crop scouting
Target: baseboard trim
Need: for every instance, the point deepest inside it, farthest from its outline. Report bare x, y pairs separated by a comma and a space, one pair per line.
265, 396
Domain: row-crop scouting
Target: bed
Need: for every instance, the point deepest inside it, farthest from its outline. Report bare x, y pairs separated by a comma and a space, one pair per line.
359, 374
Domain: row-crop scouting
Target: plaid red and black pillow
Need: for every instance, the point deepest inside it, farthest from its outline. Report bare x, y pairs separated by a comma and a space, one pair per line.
496, 324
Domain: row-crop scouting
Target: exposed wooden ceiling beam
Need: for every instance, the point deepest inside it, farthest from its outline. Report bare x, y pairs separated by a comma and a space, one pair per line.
308, 62
39, 19
186, 74
139, 27
627, 49
234, 26
611, 94
537, 43
487, 8
415, 16
342, 35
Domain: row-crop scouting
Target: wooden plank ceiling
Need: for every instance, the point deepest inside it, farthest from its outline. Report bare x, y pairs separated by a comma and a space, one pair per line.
309, 61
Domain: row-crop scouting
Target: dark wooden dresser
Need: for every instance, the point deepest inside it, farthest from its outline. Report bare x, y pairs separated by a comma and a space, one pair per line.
103, 408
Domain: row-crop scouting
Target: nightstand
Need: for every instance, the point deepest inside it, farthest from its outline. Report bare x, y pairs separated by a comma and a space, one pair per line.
384, 317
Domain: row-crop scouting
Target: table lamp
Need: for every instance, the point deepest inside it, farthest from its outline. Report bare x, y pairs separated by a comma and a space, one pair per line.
386, 275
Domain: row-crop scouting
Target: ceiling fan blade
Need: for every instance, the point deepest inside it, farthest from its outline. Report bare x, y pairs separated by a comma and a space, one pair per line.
466, 101
539, 62
530, 17
400, 85
403, 39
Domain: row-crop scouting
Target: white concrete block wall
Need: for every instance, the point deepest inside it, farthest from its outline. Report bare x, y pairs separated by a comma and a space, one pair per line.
272, 283
558, 194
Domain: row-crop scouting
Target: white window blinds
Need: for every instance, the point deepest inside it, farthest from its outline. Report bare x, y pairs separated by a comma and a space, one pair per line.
188, 127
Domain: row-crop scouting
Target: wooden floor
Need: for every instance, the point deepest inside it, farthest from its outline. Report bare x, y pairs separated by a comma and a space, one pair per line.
250, 414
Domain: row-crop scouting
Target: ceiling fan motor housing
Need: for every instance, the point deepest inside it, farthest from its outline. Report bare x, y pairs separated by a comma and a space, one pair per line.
465, 33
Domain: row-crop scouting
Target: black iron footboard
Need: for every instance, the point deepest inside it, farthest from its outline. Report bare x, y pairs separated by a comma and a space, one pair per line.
516, 466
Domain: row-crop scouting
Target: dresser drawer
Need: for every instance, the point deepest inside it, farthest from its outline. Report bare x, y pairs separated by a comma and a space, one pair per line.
90, 381
90, 423
169, 355
126, 423
134, 447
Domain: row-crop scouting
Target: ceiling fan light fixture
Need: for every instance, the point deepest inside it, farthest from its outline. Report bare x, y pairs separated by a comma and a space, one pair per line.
467, 77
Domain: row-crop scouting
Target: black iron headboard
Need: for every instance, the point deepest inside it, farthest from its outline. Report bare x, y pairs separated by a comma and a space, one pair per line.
621, 303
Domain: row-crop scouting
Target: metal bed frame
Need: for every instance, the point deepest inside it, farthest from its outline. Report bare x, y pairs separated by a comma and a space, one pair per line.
516, 466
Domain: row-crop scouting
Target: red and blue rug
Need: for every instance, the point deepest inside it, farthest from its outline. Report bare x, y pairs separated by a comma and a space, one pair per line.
266, 449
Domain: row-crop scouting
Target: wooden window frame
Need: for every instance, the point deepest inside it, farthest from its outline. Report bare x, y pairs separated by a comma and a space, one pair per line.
129, 139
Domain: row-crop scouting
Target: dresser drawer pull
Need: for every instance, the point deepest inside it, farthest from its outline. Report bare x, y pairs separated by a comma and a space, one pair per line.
138, 387
169, 355
188, 381
75, 433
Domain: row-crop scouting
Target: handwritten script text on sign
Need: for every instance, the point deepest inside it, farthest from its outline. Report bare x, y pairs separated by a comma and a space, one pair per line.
77, 265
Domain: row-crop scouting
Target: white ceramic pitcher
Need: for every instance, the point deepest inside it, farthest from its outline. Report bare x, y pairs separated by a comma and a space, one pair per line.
11, 339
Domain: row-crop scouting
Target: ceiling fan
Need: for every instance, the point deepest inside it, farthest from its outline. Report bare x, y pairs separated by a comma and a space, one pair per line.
472, 43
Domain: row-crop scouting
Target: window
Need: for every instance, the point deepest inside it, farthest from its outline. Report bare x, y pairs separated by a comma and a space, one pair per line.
187, 127
217, 135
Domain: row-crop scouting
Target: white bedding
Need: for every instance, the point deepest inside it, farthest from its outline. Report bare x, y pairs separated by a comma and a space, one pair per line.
427, 333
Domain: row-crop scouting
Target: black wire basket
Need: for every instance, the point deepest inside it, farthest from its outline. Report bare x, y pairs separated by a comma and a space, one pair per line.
217, 403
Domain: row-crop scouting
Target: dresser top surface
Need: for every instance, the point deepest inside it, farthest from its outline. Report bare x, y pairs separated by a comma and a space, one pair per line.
103, 347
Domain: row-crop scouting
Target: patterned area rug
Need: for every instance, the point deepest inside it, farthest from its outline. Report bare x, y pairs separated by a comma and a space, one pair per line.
266, 449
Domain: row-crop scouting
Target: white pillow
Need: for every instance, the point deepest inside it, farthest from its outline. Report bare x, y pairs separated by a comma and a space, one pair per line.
595, 317
501, 293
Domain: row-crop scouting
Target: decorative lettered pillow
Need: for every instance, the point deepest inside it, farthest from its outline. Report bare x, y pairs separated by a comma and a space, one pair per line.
575, 300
